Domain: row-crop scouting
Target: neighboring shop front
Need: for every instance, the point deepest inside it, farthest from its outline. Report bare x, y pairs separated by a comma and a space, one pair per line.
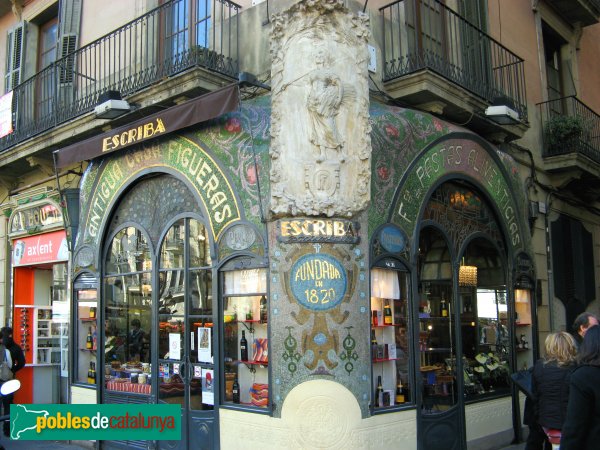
40, 310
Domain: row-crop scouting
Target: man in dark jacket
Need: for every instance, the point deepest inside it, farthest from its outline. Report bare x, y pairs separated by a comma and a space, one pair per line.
17, 361
582, 427
581, 324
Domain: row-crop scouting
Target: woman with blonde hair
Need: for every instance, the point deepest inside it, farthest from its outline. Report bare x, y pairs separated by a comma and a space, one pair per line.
551, 378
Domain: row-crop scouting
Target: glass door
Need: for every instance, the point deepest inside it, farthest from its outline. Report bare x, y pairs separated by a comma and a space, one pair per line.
438, 366
185, 367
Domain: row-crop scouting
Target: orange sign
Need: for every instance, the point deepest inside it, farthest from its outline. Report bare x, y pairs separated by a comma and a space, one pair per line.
40, 249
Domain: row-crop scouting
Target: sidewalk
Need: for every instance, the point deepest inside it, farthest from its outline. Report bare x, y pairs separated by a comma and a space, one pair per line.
65, 445
39, 445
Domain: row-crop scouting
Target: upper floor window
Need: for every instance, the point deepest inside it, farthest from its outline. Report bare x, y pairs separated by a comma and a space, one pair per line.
47, 44
555, 70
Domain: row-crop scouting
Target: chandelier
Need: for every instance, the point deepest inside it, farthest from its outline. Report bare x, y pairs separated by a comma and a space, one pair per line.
467, 275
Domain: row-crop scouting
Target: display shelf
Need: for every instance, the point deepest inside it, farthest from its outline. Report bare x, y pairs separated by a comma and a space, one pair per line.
45, 340
249, 322
86, 328
377, 360
389, 338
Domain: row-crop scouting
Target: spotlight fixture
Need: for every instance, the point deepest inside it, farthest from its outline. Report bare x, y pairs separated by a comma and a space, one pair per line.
502, 115
111, 105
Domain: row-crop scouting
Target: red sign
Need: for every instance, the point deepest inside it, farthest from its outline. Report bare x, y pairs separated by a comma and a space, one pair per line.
6, 114
40, 249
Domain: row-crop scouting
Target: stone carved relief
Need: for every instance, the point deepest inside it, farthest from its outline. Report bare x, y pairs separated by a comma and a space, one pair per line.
320, 151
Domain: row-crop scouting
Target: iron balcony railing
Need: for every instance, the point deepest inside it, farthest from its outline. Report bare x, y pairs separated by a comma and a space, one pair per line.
174, 37
570, 127
427, 35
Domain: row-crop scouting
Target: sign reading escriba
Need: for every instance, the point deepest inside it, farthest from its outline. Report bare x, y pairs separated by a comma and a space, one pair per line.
318, 230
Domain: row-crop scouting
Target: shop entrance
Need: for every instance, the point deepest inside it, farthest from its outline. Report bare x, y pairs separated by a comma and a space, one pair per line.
463, 336
158, 309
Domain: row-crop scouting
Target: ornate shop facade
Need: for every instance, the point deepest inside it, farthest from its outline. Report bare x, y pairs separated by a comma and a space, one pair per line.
307, 269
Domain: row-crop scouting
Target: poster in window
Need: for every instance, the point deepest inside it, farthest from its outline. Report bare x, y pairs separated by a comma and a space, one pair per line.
174, 346
208, 390
204, 345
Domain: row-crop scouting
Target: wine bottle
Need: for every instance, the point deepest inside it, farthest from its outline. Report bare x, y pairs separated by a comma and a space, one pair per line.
400, 392
443, 308
378, 391
387, 314
373, 344
263, 309
243, 347
235, 391
90, 375
89, 341
374, 314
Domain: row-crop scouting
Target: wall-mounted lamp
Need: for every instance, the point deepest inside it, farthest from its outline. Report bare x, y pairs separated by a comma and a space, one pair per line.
111, 105
502, 115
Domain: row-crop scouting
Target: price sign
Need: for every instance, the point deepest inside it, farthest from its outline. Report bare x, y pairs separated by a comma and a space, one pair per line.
318, 281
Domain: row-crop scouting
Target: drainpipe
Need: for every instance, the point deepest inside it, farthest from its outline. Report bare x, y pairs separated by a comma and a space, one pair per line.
549, 263
7, 275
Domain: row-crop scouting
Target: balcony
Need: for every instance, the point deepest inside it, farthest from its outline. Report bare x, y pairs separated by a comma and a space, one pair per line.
572, 143
586, 12
151, 49
435, 59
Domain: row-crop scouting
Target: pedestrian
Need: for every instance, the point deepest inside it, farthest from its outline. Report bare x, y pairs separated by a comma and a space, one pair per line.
550, 385
136, 341
581, 324
16, 359
582, 426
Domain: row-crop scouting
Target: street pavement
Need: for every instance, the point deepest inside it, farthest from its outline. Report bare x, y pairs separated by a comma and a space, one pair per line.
39, 445
66, 445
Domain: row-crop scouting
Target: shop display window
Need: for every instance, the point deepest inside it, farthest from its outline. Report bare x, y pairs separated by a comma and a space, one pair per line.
127, 313
486, 344
87, 337
437, 346
390, 337
186, 367
61, 313
524, 330
245, 338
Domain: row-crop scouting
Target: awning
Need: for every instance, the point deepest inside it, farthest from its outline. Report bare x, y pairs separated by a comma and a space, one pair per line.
194, 111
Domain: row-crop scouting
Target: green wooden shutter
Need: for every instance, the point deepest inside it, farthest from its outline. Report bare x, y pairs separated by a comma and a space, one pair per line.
15, 56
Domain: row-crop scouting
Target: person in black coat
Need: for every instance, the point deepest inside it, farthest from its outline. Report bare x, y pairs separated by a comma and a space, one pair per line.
17, 361
582, 426
551, 377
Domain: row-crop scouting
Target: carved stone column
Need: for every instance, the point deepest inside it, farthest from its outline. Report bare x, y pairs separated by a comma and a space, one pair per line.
320, 148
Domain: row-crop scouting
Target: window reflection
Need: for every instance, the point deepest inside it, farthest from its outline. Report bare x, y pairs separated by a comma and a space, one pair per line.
199, 249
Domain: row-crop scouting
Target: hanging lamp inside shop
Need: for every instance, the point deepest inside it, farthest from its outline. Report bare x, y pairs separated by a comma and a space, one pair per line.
467, 275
